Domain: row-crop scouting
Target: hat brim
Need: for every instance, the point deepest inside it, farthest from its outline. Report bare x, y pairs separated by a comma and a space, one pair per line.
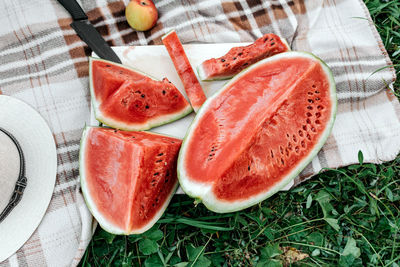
37, 143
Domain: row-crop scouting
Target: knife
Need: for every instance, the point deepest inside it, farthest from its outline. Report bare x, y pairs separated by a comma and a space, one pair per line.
87, 32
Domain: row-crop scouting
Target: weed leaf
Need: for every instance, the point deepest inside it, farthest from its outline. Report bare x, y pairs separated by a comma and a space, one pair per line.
148, 246
155, 235
351, 248
360, 157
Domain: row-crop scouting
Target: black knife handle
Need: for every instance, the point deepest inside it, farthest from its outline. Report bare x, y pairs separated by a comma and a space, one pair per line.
74, 9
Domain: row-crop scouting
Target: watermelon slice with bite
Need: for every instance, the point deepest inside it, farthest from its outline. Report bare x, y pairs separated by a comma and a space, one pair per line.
239, 58
258, 132
186, 74
128, 99
127, 178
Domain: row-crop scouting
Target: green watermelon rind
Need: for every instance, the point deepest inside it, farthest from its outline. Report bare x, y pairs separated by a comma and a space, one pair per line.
92, 206
203, 77
132, 127
203, 192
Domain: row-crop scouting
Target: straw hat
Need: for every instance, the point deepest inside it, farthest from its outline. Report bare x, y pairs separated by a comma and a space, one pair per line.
28, 168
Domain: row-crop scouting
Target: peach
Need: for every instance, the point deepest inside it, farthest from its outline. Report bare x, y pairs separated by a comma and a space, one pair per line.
141, 15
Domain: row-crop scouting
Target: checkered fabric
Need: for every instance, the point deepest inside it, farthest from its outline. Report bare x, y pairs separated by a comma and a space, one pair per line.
44, 63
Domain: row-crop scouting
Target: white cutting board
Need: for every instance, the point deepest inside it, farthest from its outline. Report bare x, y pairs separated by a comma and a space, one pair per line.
155, 61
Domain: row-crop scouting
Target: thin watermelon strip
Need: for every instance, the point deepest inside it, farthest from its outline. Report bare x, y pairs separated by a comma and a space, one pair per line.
239, 58
257, 133
182, 65
127, 99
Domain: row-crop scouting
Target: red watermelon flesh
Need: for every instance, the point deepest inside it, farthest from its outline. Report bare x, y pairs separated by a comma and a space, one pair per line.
239, 58
127, 99
258, 132
108, 77
185, 71
128, 178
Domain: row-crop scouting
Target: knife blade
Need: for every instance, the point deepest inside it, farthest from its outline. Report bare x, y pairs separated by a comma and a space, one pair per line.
87, 32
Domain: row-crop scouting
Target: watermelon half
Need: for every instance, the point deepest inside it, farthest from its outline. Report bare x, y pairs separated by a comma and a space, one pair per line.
241, 57
258, 132
127, 178
128, 99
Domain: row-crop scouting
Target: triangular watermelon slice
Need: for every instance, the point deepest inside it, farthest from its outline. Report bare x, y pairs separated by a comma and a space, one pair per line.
128, 99
127, 178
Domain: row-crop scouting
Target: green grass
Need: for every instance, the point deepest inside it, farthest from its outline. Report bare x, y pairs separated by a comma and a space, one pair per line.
347, 217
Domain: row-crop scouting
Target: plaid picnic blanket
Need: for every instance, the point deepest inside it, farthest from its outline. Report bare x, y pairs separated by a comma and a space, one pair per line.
44, 63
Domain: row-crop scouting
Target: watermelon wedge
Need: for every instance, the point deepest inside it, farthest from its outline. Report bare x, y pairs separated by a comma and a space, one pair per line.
128, 99
127, 178
182, 65
239, 58
258, 132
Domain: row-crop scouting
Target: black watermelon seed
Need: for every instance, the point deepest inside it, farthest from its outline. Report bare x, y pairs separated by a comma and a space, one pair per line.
163, 92
147, 107
142, 95
222, 60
